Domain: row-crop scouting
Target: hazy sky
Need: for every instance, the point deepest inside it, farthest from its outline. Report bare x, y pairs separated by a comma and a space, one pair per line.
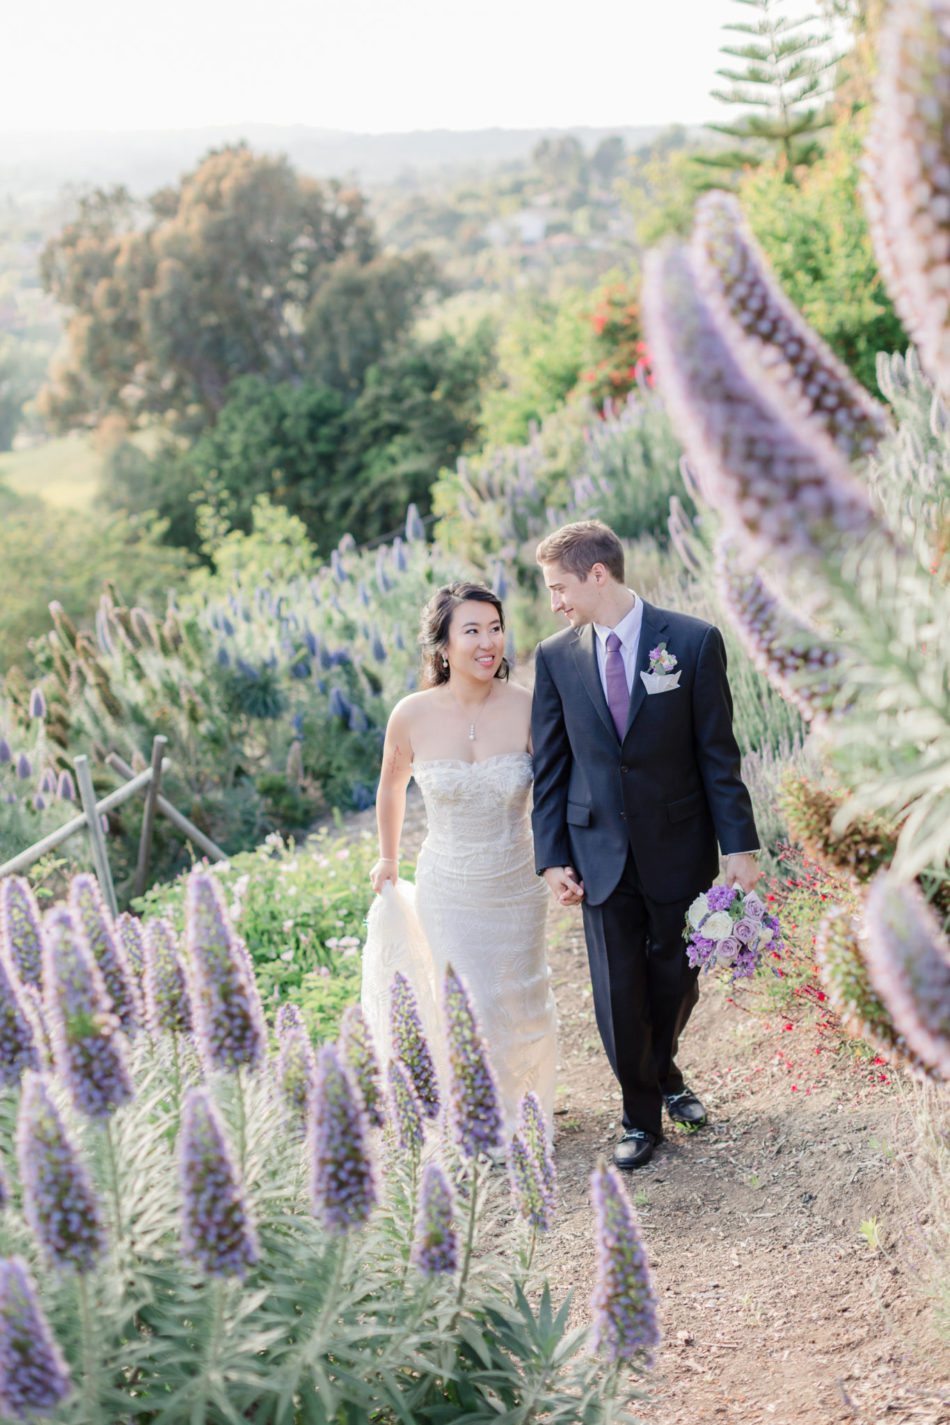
366, 65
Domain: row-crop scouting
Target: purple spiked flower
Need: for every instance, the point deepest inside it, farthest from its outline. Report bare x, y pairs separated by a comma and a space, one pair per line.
624, 1314
406, 1110
5, 754
804, 668
59, 1200
342, 1184
19, 1042
34, 1376
783, 484
20, 928
908, 963
415, 529
356, 1044
296, 1072
66, 787
738, 282
94, 924
216, 1229
88, 1052
536, 1138
287, 1018
409, 1044
132, 941
167, 1002
4, 1190
526, 1186
24, 767
37, 703
229, 1017
476, 1117
906, 195
435, 1245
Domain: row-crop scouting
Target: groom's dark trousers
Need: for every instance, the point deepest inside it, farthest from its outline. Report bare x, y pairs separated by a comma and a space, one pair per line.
640, 818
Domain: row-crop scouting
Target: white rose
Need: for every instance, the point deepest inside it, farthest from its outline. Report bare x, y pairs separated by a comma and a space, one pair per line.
697, 910
765, 934
718, 926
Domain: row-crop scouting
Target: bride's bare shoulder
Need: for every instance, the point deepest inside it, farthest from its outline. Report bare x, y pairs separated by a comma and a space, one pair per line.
414, 706
517, 695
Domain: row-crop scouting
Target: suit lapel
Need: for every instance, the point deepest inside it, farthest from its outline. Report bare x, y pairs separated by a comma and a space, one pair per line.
652, 627
585, 660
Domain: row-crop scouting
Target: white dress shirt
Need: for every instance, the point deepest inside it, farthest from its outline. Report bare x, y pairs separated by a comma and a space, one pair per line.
628, 631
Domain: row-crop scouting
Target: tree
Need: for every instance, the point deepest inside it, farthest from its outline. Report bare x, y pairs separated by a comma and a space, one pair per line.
608, 158
783, 85
217, 278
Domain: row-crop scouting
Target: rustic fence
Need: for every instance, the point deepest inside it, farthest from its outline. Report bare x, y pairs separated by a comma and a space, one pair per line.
93, 811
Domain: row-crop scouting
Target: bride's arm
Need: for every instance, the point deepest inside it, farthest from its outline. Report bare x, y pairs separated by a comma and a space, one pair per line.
391, 798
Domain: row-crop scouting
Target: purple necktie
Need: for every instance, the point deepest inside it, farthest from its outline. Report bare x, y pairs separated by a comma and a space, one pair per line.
618, 694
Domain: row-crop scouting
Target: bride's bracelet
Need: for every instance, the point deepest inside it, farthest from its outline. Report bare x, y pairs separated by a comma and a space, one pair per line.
393, 861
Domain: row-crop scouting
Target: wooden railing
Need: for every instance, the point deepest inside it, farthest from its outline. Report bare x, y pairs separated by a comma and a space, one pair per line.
90, 818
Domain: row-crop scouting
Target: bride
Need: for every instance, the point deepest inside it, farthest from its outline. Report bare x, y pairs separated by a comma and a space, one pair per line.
465, 737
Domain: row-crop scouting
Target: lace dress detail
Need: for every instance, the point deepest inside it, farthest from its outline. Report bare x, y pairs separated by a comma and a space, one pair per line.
479, 906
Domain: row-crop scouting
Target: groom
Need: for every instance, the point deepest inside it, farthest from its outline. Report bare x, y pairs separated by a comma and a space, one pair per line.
636, 779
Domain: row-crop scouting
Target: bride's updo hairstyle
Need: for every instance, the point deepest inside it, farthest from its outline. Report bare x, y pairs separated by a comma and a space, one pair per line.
434, 627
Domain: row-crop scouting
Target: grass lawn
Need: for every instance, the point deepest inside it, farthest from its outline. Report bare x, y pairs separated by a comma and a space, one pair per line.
62, 472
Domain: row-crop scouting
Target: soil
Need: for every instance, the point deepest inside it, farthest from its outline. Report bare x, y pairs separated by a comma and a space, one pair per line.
775, 1308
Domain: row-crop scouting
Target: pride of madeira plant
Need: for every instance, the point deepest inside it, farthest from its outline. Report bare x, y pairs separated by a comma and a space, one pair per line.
834, 528
199, 1224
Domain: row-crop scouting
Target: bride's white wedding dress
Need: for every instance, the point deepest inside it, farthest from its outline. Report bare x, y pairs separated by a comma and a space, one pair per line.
478, 905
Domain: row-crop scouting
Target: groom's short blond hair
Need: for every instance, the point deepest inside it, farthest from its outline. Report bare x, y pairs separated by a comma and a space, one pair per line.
578, 547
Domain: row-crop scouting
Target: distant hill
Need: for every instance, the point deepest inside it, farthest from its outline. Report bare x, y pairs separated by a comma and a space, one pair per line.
36, 166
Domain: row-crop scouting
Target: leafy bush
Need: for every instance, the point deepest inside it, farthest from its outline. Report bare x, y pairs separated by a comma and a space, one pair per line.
199, 1230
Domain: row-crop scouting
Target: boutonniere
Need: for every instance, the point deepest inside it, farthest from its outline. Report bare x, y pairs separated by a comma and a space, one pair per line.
662, 660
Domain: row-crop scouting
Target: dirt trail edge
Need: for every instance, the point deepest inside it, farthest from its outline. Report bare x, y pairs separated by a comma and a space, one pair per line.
774, 1306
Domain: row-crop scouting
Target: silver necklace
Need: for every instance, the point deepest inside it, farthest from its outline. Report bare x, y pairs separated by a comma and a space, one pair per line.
474, 720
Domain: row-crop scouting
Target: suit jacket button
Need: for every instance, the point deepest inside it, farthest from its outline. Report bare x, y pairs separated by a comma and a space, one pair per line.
624, 767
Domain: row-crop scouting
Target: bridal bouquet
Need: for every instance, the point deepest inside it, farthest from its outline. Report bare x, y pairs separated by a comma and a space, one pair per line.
725, 927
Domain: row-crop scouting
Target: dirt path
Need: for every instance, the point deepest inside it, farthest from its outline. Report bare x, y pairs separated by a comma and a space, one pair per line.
773, 1306
774, 1309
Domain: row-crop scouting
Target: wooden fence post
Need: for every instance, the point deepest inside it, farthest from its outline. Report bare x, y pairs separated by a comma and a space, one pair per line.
159, 744
99, 854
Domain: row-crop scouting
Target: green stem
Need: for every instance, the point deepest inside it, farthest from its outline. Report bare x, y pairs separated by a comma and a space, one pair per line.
90, 1363
469, 1238
114, 1179
176, 1075
241, 1121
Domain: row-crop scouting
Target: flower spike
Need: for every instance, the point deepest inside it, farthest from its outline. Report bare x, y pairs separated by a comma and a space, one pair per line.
342, 1184
20, 928
167, 1002
226, 1002
217, 1232
94, 924
34, 1376
624, 1313
359, 1052
59, 1200
409, 1044
908, 962
435, 1245
475, 1112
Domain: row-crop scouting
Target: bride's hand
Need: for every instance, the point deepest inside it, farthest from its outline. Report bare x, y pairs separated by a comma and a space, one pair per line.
384, 870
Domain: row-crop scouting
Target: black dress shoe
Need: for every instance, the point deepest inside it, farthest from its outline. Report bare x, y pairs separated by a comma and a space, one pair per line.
635, 1148
684, 1107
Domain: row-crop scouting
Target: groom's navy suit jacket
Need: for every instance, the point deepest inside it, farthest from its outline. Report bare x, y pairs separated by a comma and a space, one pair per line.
667, 792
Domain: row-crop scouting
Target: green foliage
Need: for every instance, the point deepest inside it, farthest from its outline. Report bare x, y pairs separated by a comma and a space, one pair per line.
243, 268
816, 239
782, 85
541, 352
301, 911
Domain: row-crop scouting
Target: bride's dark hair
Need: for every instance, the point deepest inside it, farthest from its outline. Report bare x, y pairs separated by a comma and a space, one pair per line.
434, 627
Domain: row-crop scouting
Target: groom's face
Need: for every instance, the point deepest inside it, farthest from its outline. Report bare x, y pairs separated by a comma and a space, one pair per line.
575, 597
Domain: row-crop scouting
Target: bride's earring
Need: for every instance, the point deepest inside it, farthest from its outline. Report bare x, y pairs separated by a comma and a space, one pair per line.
445, 661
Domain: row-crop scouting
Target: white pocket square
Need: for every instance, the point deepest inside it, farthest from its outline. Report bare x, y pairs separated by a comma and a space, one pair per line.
660, 682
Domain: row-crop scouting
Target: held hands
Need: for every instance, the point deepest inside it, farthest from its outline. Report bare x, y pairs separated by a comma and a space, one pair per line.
741, 868
384, 870
564, 885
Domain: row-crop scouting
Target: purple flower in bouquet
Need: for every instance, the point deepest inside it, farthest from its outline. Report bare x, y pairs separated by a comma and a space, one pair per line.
226, 1003
475, 1112
752, 907
59, 1200
167, 1001
88, 1051
94, 924
410, 1046
406, 1110
356, 1044
527, 1188
746, 931
216, 1229
20, 928
435, 1245
34, 1376
20, 1046
622, 1306
296, 1072
131, 938
342, 1182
